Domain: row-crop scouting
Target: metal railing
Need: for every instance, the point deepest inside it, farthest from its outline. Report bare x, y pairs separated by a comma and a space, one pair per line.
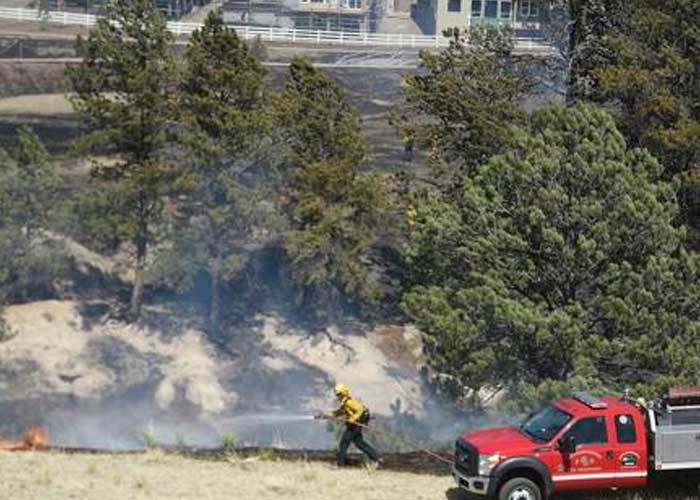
282, 35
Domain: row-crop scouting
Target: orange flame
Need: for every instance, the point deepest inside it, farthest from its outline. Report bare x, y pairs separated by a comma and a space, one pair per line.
35, 438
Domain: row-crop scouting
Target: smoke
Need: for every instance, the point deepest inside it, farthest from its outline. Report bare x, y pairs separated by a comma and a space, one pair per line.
123, 424
102, 386
99, 383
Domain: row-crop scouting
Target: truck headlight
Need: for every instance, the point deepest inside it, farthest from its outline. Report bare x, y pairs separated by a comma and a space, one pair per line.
487, 463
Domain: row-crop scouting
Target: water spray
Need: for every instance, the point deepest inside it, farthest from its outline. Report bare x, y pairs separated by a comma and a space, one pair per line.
266, 418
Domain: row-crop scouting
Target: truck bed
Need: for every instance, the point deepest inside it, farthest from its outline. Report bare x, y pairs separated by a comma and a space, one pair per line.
677, 441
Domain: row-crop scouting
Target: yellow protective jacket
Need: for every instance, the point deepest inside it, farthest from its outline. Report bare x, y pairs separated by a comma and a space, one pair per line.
350, 410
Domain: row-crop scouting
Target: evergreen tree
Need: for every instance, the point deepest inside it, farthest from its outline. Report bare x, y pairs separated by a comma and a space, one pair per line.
579, 29
30, 189
124, 86
337, 213
223, 105
463, 103
650, 83
560, 265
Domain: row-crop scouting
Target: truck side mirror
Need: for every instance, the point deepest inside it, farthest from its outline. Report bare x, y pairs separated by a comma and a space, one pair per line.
567, 444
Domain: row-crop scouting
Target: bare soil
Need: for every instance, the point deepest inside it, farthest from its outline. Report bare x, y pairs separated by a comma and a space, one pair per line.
34, 94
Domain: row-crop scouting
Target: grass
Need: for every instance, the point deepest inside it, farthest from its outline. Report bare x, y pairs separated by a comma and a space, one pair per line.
140, 477
156, 475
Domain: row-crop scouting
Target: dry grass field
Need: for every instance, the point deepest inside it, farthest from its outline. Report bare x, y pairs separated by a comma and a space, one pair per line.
155, 476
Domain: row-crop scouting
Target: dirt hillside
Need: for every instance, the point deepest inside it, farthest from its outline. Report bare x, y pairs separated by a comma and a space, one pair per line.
97, 381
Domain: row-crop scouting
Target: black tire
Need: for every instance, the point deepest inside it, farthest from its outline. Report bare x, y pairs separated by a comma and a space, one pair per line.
519, 488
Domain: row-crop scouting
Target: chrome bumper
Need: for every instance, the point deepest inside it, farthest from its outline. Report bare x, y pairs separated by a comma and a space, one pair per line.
478, 485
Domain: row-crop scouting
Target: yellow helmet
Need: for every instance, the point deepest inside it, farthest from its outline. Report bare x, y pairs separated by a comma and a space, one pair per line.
341, 390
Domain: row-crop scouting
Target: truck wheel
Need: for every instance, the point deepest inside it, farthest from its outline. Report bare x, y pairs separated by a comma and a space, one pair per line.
519, 488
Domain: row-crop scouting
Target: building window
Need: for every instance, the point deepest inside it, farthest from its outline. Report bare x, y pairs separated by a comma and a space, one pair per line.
454, 5
354, 4
506, 9
492, 9
476, 8
529, 8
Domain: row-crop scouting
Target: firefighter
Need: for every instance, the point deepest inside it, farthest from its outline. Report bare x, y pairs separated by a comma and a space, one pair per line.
356, 416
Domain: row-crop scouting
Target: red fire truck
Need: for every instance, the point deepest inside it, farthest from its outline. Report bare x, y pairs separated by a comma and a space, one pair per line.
582, 443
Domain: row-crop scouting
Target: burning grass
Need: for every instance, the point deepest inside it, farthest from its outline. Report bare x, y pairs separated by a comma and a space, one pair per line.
35, 438
156, 475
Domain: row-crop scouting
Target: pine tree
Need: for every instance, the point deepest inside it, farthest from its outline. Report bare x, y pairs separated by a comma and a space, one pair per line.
225, 119
561, 265
124, 87
463, 103
579, 29
30, 192
650, 83
337, 213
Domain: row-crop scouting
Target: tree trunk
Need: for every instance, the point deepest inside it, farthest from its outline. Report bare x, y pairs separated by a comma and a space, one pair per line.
575, 11
214, 305
137, 290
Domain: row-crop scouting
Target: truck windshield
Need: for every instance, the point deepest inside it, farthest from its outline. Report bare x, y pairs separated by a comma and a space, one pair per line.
544, 425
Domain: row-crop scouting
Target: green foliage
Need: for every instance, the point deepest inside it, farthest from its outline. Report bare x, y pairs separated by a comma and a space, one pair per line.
650, 80
337, 214
124, 88
316, 122
149, 439
578, 29
465, 100
30, 190
228, 442
96, 216
571, 268
224, 117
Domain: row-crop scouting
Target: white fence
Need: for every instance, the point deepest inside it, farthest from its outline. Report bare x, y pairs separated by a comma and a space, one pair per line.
281, 35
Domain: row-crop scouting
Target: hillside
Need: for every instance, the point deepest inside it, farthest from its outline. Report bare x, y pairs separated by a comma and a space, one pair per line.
95, 381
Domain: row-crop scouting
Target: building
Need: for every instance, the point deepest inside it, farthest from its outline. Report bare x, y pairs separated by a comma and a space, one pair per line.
435, 16
332, 15
173, 9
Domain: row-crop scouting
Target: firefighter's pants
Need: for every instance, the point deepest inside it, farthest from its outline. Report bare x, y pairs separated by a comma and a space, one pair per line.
353, 434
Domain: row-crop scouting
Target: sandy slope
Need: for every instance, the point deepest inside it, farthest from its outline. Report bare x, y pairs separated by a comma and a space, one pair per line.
95, 381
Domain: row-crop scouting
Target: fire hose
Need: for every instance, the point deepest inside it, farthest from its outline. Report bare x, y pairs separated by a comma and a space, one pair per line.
403, 440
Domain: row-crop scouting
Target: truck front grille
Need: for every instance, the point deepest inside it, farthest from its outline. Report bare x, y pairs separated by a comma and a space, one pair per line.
466, 458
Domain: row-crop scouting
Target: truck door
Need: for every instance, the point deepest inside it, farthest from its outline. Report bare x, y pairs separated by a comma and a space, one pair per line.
630, 451
592, 465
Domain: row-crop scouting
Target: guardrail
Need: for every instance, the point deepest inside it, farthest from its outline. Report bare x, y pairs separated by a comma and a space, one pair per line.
283, 35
